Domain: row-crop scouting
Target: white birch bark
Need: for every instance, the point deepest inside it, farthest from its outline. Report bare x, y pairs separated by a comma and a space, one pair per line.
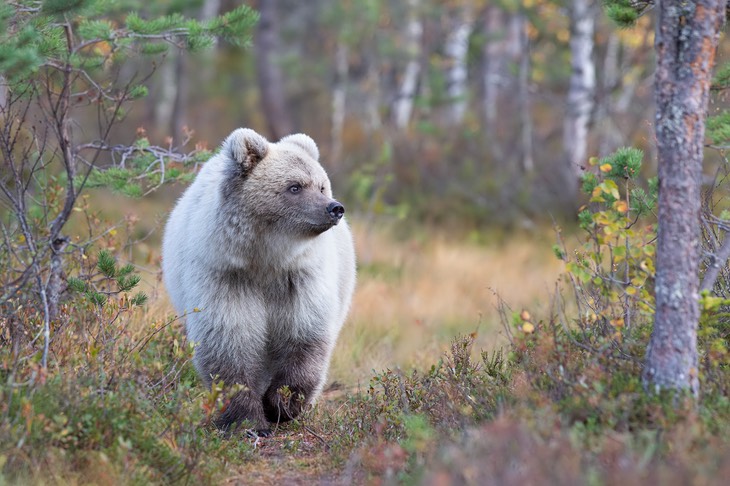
167, 93
494, 62
403, 104
610, 136
456, 48
339, 95
580, 100
528, 163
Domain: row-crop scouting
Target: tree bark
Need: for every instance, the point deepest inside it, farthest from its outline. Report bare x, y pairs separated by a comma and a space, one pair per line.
456, 49
403, 105
581, 93
494, 51
339, 98
180, 110
610, 137
686, 38
528, 163
270, 77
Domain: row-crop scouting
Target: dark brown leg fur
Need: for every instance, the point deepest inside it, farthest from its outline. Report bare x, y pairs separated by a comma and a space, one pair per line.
244, 406
300, 366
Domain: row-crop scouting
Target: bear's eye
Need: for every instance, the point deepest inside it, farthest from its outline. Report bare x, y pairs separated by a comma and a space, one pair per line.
321, 189
295, 188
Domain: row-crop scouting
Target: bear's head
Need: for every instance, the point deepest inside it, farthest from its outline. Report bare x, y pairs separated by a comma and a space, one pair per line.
280, 186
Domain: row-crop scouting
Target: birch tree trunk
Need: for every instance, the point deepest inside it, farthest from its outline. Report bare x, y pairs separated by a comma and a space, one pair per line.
339, 95
581, 92
166, 94
523, 84
403, 105
270, 77
686, 38
494, 63
506, 51
456, 48
610, 137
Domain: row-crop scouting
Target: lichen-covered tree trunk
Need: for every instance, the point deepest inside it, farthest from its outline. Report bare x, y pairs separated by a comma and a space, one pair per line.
686, 38
581, 92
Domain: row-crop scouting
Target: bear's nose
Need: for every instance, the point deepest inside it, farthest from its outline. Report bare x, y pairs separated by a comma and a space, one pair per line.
335, 210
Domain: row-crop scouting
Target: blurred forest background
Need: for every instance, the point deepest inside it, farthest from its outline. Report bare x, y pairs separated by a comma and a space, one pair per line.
442, 111
505, 239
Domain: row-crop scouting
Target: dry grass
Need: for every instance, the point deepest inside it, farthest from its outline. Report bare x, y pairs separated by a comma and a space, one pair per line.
413, 296
414, 293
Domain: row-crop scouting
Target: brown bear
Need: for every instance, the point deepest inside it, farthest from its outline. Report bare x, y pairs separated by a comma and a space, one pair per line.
261, 251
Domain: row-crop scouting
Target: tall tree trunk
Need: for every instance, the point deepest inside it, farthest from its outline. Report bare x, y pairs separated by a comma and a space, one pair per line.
3, 92
210, 9
339, 96
371, 89
180, 108
270, 77
494, 62
505, 51
523, 84
580, 93
456, 48
403, 105
166, 94
686, 37
610, 137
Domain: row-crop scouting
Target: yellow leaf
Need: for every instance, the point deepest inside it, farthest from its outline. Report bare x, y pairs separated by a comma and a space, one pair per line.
617, 322
631, 290
528, 328
524, 315
621, 206
593, 160
113, 232
606, 168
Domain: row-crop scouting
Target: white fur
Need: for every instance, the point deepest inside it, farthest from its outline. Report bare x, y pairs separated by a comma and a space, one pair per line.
197, 244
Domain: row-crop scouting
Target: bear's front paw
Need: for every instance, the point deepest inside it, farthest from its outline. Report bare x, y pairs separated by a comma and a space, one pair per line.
263, 432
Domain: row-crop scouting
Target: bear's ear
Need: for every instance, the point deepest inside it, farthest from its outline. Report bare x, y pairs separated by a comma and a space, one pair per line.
303, 141
246, 147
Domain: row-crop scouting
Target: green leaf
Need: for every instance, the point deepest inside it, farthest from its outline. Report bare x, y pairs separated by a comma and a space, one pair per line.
59, 7
106, 264
95, 29
139, 299
76, 284
128, 283
97, 298
625, 163
623, 12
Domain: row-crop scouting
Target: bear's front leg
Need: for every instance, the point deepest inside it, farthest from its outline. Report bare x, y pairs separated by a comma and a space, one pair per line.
299, 373
244, 405
216, 364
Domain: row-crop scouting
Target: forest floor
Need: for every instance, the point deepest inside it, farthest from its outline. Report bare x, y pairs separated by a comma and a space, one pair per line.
432, 382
